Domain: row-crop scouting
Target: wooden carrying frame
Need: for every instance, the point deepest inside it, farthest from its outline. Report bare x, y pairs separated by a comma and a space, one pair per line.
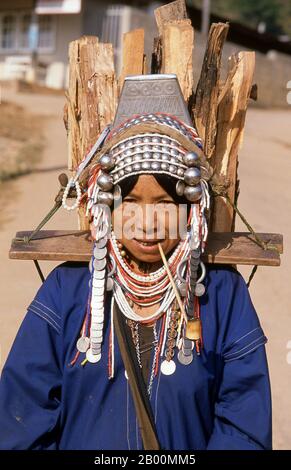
217, 108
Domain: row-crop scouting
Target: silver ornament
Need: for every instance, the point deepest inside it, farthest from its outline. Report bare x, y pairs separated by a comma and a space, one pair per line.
105, 198
191, 159
180, 187
105, 182
107, 162
193, 193
199, 289
109, 284
168, 367
192, 176
83, 344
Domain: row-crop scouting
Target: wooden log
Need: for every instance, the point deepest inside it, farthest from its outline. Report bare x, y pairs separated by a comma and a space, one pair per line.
133, 57
232, 107
205, 103
173, 50
92, 99
222, 248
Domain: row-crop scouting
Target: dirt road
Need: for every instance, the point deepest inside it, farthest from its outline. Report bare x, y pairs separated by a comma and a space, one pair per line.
265, 170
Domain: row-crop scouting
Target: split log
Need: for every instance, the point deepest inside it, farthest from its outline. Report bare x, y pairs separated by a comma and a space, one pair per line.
92, 99
232, 107
173, 50
133, 56
204, 108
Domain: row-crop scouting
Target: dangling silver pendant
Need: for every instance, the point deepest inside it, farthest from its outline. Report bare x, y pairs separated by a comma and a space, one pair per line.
199, 289
168, 367
93, 358
83, 344
185, 359
109, 284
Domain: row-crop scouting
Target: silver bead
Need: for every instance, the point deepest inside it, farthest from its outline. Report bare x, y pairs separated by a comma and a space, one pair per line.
128, 159
128, 143
156, 139
164, 166
147, 155
193, 193
191, 159
137, 141
172, 169
180, 186
173, 152
128, 169
128, 152
146, 139
105, 198
180, 172
165, 140
157, 156
146, 148
155, 165
145, 165
138, 149
137, 157
115, 177
192, 176
136, 166
122, 146
121, 173
105, 182
107, 162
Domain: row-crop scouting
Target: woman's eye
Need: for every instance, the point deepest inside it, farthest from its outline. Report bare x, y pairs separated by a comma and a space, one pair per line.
166, 201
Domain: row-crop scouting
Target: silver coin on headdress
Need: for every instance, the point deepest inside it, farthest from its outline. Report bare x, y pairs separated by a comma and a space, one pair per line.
99, 274
100, 253
101, 243
98, 283
99, 264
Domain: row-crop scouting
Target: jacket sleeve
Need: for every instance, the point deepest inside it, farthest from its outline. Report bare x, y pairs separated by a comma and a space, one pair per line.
30, 385
243, 416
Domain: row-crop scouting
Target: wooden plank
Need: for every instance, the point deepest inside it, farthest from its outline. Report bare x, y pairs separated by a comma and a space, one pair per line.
222, 248
92, 99
133, 57
232, 109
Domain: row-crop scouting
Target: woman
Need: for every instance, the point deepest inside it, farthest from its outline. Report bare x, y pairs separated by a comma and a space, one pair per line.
198, 343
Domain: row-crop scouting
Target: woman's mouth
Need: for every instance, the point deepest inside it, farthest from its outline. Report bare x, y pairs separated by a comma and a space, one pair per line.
147, 246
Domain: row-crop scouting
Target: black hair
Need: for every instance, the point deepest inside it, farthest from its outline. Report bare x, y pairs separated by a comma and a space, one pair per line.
167, 182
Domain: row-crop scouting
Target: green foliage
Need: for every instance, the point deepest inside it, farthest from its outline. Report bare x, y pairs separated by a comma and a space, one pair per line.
276, 14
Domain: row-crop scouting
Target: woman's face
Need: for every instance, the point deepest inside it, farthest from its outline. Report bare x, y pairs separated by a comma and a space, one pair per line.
147, 215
